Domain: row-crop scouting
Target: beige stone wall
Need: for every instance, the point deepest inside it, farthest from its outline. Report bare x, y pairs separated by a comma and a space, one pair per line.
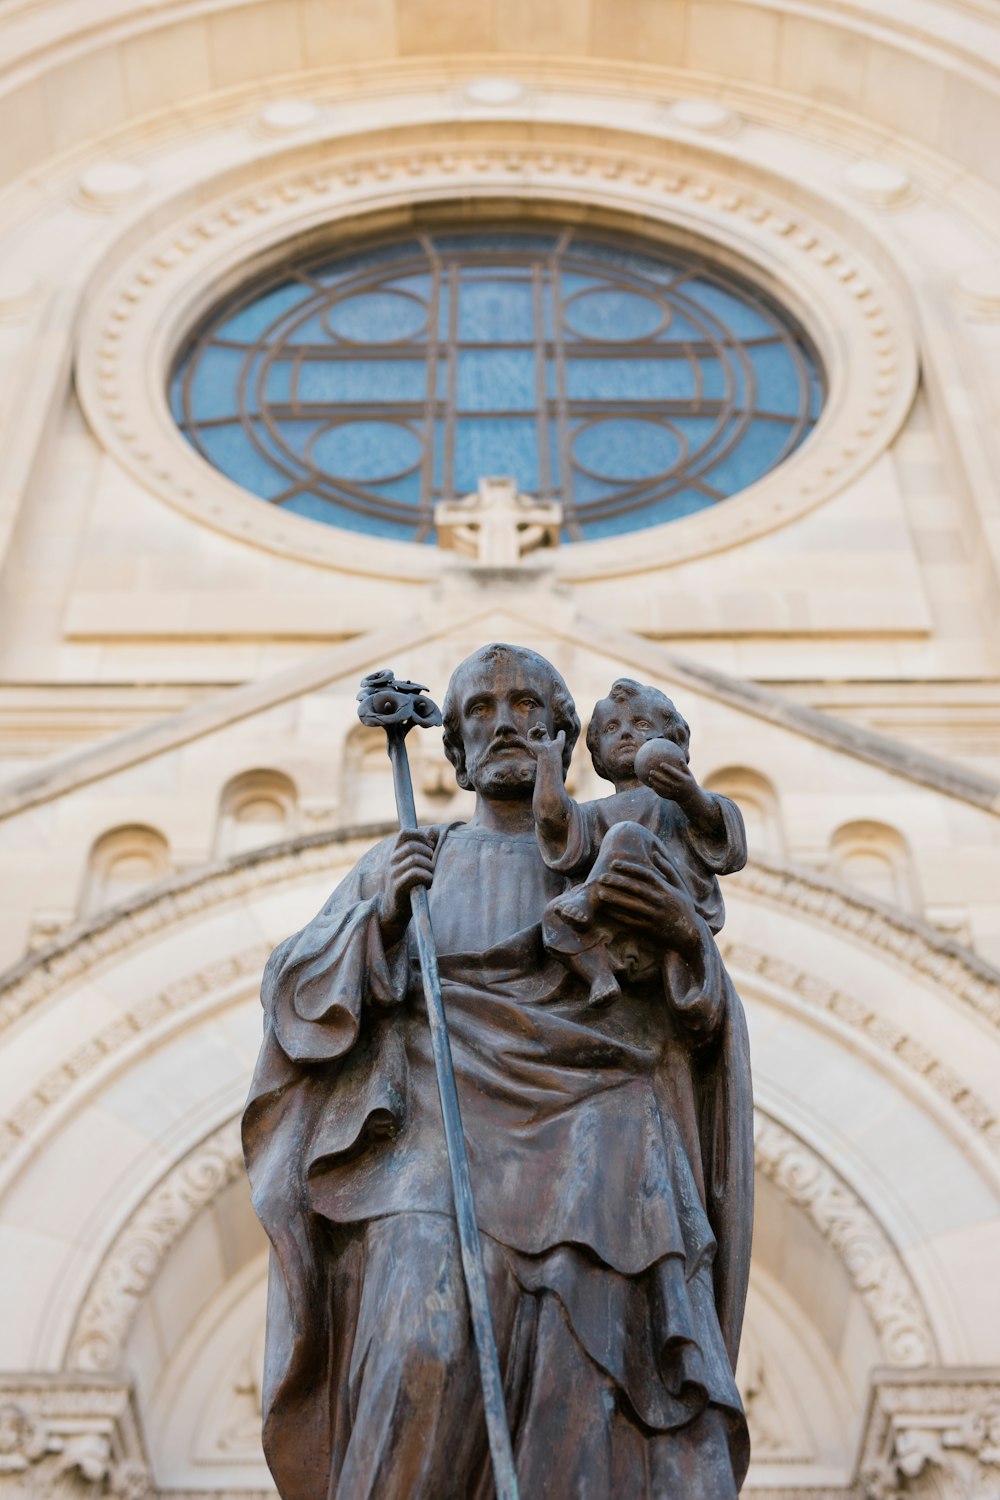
183, 777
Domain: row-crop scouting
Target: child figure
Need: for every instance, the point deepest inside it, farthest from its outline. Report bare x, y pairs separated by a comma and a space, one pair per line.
658, 815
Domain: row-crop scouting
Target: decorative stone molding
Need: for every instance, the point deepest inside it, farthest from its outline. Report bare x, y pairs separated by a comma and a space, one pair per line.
851, 1230
89, 944
65, 1439
914, 944
133, 1261
129, 1268
28, 1116
83, 948
937, 1437
138, 319
817, 994
879, 182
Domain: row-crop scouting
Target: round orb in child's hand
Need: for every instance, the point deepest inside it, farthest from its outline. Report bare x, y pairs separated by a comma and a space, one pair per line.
656, 753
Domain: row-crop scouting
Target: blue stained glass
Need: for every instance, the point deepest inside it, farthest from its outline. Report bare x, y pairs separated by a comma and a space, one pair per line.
634, 262
496, 312
367, 260
555, 475
250, 324
406, 489
613, 315
318, 508
309, 330
496, 380
175, 394
366, 450
372, 381
493, 446
232, 449
701, 435
293, 435
815, 402
760, 449
724, 380
682, 329
737, 315
419, 285
278, 382
670, 508
377, 318
645, 428
495, 241
626, 448
571, 282
630, 379
779, 386
438, 464
214, 385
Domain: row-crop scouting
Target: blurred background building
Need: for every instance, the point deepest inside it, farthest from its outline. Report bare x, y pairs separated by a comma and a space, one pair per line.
660, 335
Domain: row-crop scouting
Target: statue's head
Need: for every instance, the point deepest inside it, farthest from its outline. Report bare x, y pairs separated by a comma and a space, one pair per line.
631, 714
494, 697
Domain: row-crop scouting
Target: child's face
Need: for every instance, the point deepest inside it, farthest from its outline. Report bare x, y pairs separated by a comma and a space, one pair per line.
624, 725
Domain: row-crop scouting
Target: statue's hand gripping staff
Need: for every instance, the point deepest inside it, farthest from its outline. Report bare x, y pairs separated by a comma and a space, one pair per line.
395, 706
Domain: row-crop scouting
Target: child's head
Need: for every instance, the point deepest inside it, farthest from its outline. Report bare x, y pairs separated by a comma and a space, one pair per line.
630, 715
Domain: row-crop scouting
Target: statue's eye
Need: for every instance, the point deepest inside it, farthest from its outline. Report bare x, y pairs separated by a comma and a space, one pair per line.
642, 724
611, 726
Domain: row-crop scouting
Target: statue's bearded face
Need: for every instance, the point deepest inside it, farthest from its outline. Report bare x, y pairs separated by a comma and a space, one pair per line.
499, 704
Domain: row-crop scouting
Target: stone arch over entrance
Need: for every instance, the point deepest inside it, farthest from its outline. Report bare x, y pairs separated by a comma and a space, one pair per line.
848, 1274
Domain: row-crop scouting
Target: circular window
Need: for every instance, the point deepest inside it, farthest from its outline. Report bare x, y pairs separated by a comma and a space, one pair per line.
632, 385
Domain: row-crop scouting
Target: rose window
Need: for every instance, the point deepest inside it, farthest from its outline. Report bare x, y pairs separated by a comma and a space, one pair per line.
633, 384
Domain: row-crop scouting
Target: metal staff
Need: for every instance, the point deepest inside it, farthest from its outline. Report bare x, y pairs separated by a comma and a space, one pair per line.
396, 707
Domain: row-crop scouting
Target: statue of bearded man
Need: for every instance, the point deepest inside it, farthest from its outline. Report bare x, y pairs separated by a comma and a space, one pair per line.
611, 1159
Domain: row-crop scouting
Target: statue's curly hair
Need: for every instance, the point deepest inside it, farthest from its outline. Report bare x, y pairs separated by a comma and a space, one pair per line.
623, 691
564, 714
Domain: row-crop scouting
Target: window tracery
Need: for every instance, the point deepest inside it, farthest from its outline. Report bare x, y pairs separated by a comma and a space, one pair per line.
634, 385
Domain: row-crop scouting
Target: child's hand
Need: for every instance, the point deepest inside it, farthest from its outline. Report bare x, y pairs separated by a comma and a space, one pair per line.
663, 766
539, 743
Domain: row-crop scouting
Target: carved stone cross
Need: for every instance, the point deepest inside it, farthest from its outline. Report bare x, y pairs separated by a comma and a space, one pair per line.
497, 526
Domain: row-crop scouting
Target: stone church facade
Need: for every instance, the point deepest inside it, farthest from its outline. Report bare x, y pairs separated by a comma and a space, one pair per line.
183, 774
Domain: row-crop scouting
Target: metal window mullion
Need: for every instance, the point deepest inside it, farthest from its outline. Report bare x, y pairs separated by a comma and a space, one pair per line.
451, 397
425, 503
570, 521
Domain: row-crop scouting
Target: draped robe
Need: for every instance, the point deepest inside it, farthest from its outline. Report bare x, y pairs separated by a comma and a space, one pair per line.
611, 1152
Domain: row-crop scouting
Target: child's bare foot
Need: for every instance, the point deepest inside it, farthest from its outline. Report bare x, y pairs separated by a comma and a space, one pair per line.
575, 910
604, 989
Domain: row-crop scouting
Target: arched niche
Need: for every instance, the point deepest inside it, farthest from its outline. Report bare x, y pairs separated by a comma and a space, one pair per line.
875, 858
367, 779
194, 1350
757, 800
257, 807
120, 864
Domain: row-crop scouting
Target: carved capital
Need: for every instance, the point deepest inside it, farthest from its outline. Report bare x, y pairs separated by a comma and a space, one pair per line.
64, 1440
933, 1435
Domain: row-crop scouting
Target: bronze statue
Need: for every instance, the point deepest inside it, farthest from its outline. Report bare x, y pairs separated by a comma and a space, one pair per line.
610, 1144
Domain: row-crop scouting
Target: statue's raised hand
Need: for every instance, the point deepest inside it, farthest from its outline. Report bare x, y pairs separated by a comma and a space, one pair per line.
411, 863
540, 745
